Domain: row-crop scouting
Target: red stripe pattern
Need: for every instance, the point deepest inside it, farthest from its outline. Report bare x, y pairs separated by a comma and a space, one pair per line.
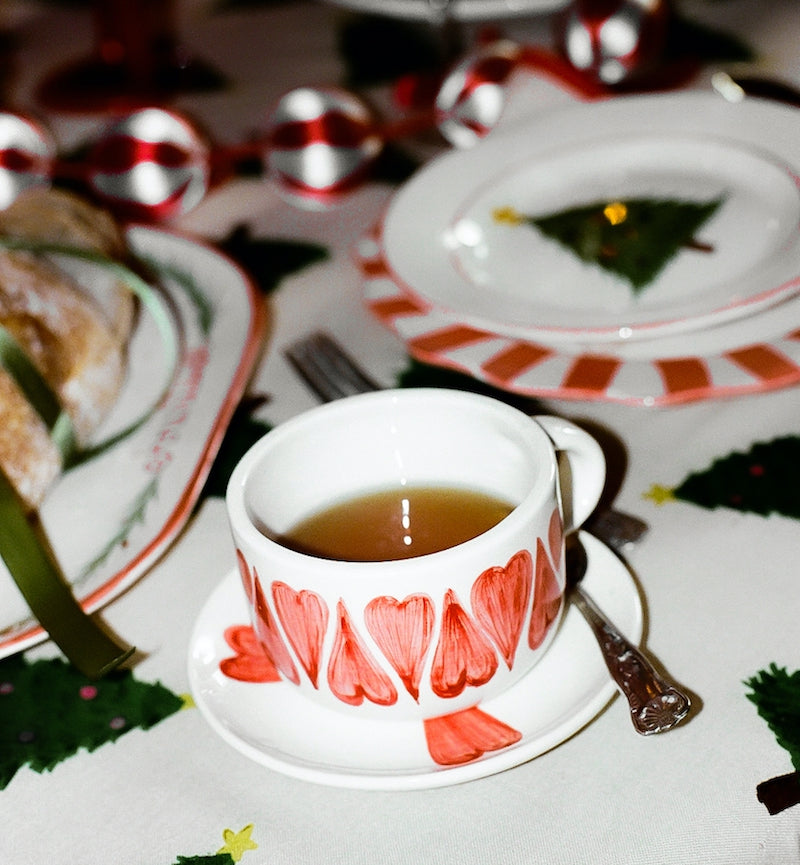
531, 368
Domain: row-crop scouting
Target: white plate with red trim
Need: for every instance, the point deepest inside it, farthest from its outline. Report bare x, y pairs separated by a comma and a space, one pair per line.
109, 519
271, 723
461, 10
726, 330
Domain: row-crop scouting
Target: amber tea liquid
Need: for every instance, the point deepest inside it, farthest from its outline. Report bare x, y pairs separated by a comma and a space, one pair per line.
396, 524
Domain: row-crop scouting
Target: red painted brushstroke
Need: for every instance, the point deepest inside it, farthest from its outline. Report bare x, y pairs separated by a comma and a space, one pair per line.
546, 598
764, 362
403, 632
245, 574
353, 674
591, 374
555, 535
500, 598
250, 663
304, 616
267, 632
461, 737
517, 358
684, 374
463, 654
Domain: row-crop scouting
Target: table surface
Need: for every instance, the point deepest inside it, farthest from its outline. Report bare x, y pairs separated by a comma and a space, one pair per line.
718, 584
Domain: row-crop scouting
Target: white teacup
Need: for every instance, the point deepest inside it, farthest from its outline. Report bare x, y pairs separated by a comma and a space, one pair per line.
417, 637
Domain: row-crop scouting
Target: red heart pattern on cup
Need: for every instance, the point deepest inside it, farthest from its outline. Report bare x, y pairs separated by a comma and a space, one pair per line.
468, 650
468, 642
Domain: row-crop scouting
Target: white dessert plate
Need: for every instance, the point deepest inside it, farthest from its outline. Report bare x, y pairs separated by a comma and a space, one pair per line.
701, 333
272, 724
460, 10
109, 518
446, 239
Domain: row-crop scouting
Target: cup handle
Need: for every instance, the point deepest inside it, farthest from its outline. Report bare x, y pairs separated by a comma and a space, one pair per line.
582, 475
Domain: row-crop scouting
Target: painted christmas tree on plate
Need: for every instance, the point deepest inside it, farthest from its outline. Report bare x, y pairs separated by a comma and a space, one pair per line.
634, 239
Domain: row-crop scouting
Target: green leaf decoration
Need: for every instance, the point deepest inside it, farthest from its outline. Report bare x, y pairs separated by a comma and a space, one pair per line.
135, 515
269, 261
763, 480
377, 49
243, 432
776, 695
49, 711
394, 165
633, 239
696, 41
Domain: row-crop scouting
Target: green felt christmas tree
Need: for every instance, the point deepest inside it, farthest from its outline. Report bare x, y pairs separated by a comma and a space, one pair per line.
269, 260
762, 480
776, 695
633, 239
49, 711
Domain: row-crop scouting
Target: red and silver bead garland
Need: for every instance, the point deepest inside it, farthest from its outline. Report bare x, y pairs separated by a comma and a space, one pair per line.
155, 164
614, 41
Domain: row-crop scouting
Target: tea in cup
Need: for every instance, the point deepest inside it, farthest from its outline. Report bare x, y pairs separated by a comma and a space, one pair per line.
402, 551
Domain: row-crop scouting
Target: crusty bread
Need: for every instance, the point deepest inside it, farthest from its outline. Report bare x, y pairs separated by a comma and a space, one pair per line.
77, 346
60, 217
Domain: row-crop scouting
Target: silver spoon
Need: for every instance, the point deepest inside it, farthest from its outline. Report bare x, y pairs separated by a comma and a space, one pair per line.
656, 704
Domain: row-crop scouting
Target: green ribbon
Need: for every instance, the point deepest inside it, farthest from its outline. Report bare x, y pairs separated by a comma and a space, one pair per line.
28, 558
61, 427
23, 545
38, 393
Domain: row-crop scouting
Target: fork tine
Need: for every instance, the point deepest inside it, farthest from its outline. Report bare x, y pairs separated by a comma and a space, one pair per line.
312, 370
327, 369
345, 365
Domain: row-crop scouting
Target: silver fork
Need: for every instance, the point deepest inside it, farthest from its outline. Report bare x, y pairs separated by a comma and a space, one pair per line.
332, 374
327, 368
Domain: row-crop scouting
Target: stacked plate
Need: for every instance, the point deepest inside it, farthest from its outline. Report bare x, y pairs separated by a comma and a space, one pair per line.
466, 269
459, 10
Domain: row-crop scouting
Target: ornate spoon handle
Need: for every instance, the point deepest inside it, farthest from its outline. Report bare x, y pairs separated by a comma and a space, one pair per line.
656, 705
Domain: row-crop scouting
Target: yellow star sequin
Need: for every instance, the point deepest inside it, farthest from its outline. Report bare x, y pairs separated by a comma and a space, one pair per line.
659, 494
508, 216
188, 701
615, 212
238, 843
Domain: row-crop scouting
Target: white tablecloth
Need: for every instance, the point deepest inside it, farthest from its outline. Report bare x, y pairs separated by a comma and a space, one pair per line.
719, 586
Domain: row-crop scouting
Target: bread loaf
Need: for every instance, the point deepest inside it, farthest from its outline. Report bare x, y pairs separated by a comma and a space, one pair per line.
77, 345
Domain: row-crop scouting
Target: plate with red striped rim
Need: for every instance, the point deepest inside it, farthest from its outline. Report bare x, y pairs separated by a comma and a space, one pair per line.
719, 351
748, 356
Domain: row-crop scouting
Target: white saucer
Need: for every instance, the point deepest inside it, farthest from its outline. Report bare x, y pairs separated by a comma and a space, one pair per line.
275, 726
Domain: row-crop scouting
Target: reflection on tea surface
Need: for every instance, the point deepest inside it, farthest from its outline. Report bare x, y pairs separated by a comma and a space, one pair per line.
398, 523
